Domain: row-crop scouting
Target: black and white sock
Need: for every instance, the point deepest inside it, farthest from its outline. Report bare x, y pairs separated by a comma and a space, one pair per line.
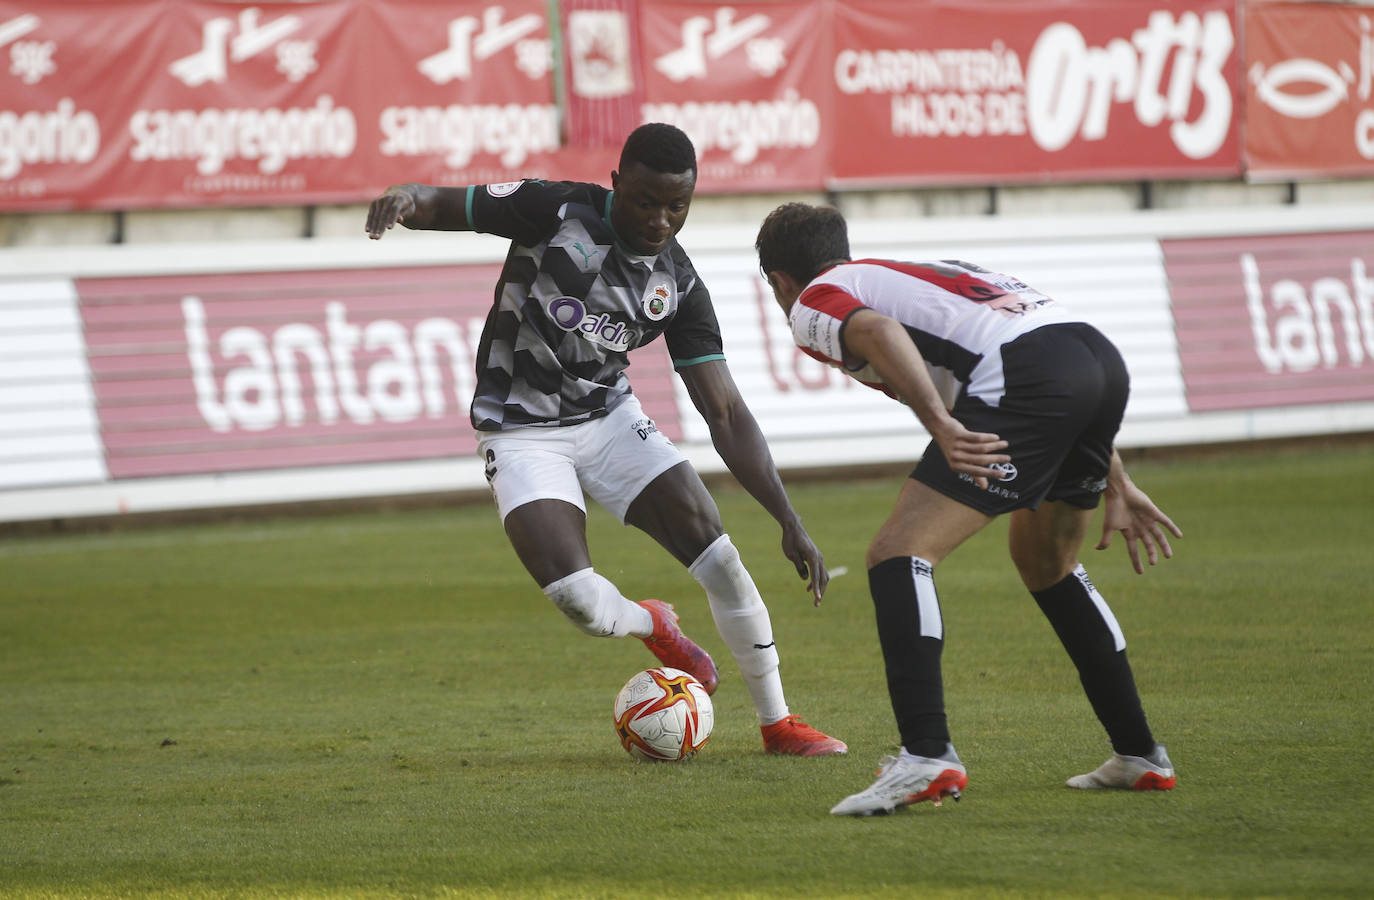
1090, 633
912, 632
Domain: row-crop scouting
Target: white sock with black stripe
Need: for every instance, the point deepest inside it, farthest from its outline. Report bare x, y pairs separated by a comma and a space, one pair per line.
597, 607
742, 620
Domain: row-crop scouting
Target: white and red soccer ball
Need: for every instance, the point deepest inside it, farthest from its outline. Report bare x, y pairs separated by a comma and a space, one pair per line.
663, 714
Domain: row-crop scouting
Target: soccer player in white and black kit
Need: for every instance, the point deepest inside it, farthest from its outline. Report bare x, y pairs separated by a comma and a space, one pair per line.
1023, 403
591, 275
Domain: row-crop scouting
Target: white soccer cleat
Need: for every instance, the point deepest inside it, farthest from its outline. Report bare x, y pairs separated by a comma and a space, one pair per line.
1130, 773
907, 779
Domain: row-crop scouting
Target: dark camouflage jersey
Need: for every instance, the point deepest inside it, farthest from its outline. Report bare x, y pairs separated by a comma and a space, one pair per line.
571, 303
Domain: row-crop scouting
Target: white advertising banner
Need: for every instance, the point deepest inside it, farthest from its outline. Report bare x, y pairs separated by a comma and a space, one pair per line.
134, 380
48, 428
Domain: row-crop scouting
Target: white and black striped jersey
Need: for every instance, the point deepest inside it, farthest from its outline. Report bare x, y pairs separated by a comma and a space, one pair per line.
571, 303
958, 316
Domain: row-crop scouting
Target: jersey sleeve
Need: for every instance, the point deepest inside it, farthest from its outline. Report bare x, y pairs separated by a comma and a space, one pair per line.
526, 212
818, 319
694, 335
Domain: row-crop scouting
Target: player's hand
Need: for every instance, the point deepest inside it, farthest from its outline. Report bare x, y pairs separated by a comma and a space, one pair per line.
1129, 511
972, 453
387, 210
806, 556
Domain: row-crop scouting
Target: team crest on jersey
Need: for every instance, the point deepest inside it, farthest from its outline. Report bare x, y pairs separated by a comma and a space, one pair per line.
504, 189
658, 299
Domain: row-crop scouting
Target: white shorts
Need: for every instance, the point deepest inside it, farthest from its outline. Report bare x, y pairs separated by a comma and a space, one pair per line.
612, 458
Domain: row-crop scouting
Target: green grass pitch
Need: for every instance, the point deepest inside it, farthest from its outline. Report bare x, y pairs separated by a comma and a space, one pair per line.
382, 704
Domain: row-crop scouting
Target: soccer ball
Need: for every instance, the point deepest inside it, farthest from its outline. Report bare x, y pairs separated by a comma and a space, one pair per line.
663, 714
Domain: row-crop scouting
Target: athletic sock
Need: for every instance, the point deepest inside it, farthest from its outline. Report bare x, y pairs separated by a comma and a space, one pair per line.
597, 607
743, 623
1090, 633
911, 632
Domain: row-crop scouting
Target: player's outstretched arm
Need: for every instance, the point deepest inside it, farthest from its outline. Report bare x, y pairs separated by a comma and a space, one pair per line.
884, 344
1127, 509
418, 206
736, 435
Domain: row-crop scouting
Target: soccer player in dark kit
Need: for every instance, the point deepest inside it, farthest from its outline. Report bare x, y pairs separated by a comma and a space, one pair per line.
591, 275
1023, 403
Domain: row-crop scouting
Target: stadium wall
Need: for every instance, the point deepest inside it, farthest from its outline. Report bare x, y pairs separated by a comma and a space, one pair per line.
204, 375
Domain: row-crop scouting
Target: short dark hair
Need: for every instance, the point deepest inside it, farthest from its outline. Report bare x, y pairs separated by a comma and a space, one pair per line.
661, 147
801, 239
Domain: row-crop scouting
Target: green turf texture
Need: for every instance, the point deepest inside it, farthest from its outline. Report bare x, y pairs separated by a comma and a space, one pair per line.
383, 704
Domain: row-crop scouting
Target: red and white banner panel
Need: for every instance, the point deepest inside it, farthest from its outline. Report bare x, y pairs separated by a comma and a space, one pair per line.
146, 103
1282, 320
463, 93
131, 104
748, 83
156, 103
1001, 89
599, 54
1309, 82
270, 370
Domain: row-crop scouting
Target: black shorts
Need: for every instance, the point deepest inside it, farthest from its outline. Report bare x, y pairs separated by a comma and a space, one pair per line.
1066, 390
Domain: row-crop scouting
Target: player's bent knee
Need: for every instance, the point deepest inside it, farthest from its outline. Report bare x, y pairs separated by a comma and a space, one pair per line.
579, 597
1039, 565
883, 548
1038, 573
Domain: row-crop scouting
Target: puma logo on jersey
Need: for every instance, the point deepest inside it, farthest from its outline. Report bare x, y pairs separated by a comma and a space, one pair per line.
586, 257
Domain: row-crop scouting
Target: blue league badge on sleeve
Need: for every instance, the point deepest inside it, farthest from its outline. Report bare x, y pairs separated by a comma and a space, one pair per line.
658, 298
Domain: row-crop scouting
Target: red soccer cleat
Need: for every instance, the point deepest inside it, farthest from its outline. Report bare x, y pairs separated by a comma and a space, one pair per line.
791, 736
675, 649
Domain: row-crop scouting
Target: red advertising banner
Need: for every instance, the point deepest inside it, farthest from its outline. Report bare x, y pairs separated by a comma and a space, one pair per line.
217, 373
150, 103
748, 83
990, 90
241, 104
603, 87
63, 104
155, 103
462, 93
183, 104
1309, 90
1274, 321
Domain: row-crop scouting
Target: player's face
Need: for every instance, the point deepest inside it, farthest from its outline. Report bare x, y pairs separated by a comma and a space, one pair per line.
785, 289
650, 208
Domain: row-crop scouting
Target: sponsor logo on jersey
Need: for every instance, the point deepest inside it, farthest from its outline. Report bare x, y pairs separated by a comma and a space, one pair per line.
658, 299
571, 315
993, 487
1008, 470
1093, 485
504, 189
588, 256
644, 427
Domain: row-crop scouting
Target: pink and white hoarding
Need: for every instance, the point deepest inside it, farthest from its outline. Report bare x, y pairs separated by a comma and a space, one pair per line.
1276, 320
